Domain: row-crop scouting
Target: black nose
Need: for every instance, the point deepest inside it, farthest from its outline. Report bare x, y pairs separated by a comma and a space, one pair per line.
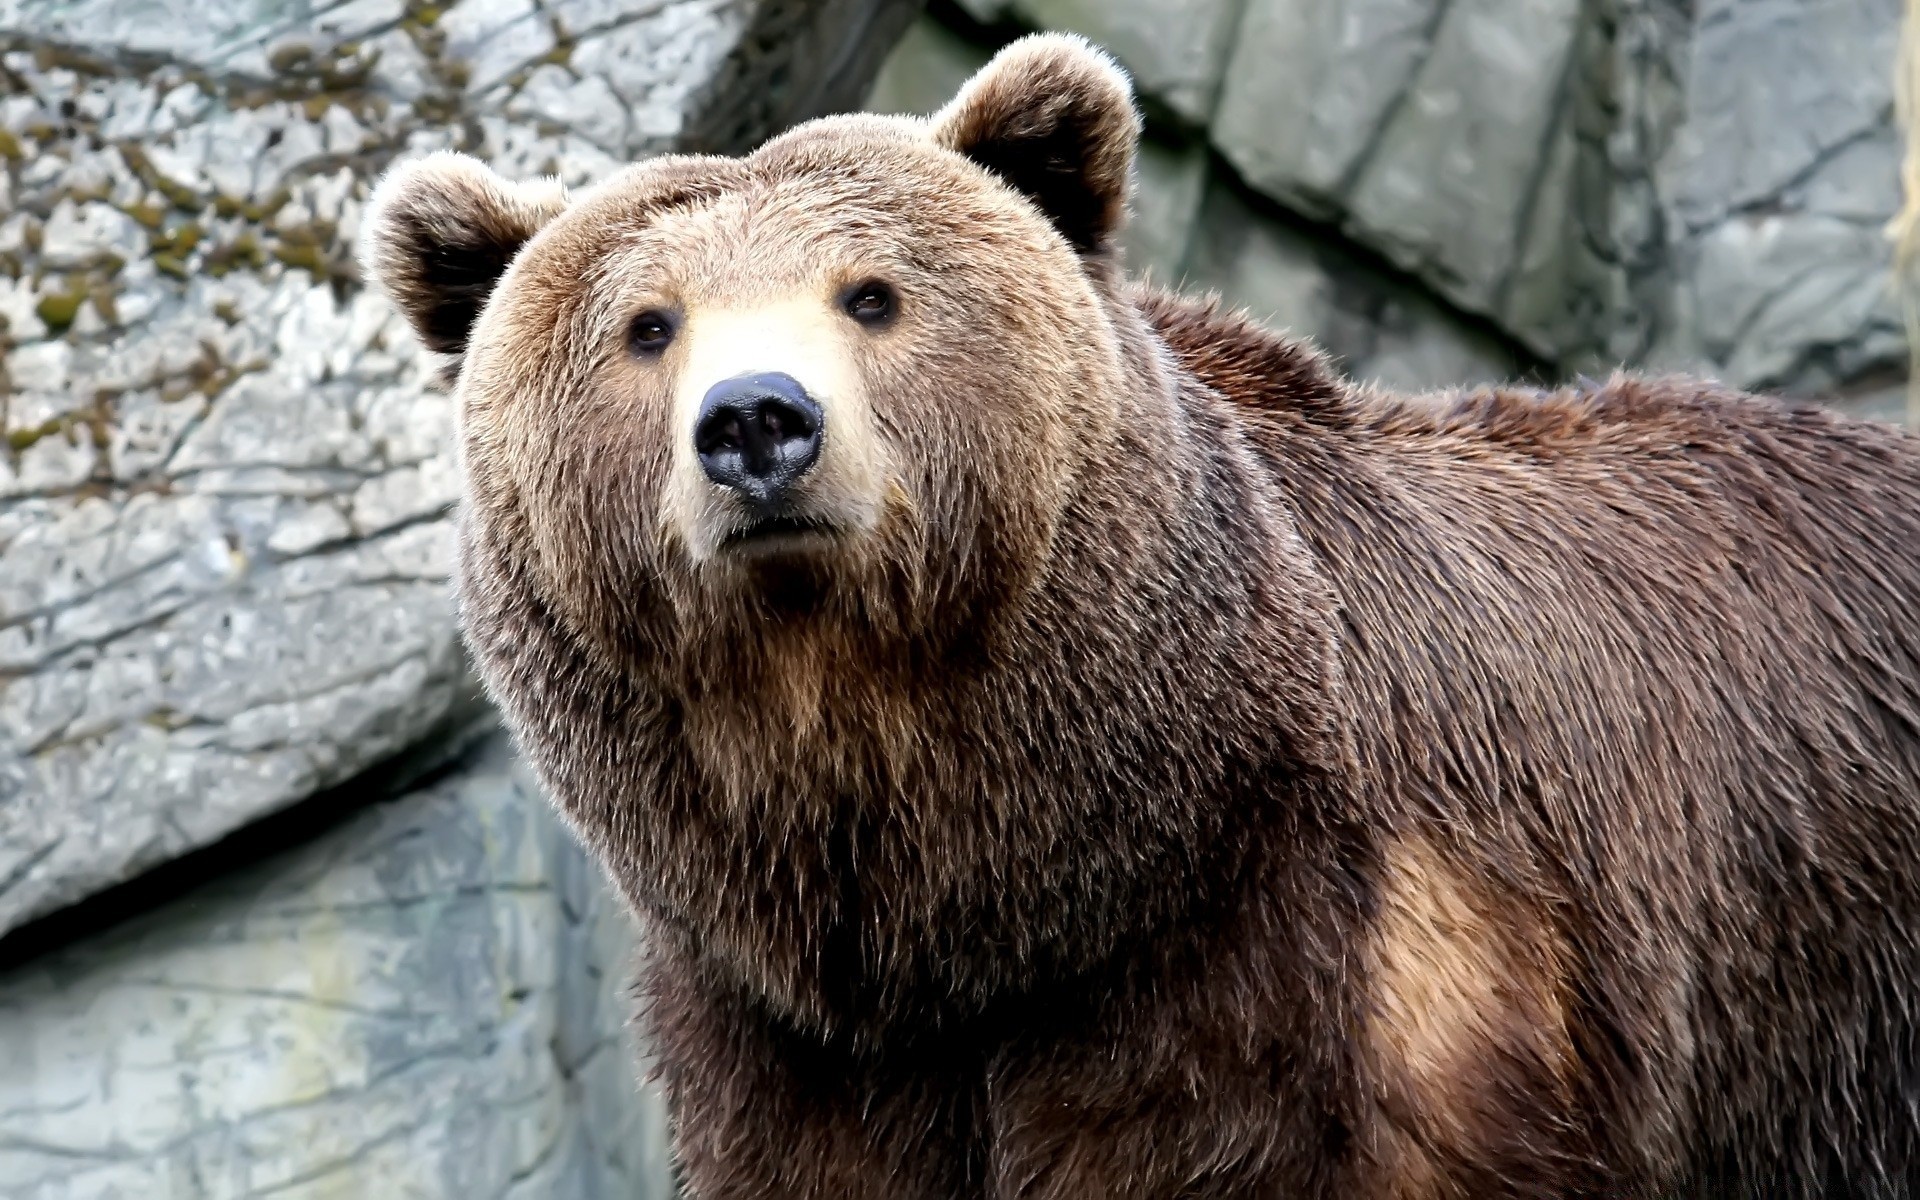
757, 434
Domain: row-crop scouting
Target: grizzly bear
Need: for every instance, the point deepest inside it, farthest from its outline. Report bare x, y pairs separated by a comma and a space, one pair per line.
1064, 740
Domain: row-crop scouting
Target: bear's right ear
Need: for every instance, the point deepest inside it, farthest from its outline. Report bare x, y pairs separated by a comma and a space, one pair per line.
441, 231
1053, 117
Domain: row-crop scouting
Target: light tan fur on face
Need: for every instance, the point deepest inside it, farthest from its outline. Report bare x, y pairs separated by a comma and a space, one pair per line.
804, 336
1468, 981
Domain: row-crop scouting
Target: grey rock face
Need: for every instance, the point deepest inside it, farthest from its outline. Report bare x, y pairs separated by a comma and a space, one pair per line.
1170, 184
1424, 127
1175, 49
1378, 329
1611, 183
224, 480
429, 1001
1193, 228
1775, 197
924, 69
1648, 183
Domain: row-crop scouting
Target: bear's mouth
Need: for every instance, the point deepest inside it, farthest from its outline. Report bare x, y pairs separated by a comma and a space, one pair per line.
776, 529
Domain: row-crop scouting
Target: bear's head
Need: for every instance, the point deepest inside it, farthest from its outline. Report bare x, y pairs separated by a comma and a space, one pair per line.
851, 376
856, 561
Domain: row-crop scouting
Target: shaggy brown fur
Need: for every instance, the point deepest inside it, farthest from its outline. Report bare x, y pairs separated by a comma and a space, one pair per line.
1179, 772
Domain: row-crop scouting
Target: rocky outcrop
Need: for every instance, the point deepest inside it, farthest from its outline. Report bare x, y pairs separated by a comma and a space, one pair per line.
224, 478
1447, 190
1774, 198
427, 1002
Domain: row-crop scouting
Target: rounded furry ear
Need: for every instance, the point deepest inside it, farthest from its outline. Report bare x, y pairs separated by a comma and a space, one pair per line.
441, 230
1053, 116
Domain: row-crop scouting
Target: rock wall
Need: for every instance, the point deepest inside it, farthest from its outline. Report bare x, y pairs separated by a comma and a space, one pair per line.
224, 492
1447, 190
424, 1002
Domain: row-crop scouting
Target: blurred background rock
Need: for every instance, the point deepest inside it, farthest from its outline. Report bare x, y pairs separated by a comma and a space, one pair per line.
278, 914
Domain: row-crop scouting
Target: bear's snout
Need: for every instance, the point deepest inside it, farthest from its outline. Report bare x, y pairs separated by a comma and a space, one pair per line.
757, 435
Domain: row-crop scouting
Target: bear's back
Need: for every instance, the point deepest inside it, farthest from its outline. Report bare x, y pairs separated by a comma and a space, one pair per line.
1650, 650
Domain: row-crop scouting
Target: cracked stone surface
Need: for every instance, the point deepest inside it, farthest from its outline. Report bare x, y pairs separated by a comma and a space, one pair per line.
429, 1001
1175, 49
1775, 196
224, 478
1193, 228
1380, 331
1423, 127
1696, 185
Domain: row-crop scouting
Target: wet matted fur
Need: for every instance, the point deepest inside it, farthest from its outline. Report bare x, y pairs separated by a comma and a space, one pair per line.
1180, 772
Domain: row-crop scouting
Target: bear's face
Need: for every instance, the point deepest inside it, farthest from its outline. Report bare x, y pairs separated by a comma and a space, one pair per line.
854, 373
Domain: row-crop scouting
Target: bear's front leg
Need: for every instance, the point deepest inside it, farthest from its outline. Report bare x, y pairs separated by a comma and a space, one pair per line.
764, 1112
1164, 1104
1182, 1105
1432, 1060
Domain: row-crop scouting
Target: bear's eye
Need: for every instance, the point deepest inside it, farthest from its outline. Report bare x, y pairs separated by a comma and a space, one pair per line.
650, 332
870, 303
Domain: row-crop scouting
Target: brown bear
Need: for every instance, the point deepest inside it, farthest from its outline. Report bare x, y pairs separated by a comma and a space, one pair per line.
1063, 740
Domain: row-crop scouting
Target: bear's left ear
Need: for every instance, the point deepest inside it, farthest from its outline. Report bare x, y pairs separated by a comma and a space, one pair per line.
441, 230
1053, 117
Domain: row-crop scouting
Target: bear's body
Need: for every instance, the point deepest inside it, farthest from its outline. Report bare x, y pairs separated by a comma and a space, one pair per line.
1118, 758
